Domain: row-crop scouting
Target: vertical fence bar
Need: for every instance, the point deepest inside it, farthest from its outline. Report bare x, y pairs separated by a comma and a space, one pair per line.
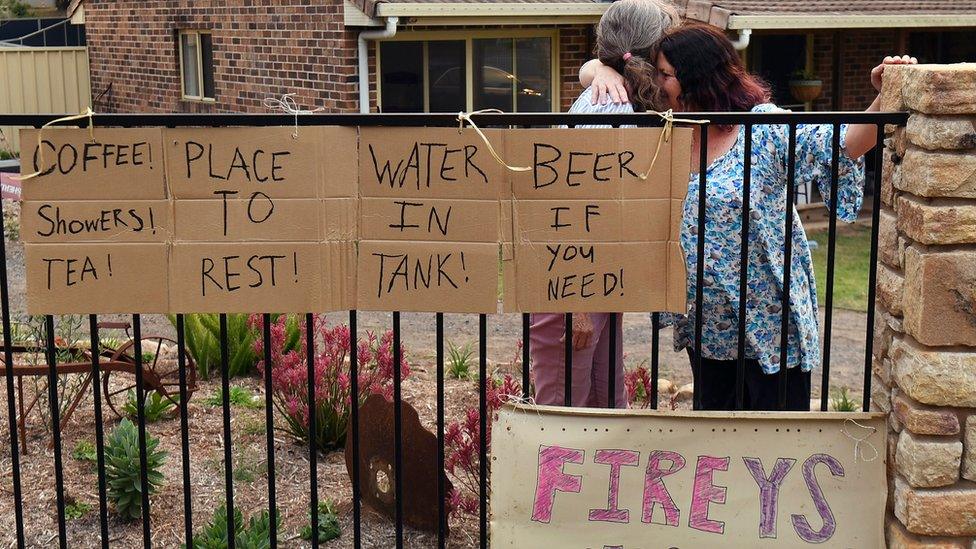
568, 376
270, 444
700, 264
141, 416
228, 451
612, 377
397, 431
483, 428
95, 346
354, 391
740, 371
52, 395
787, 268
655, 356
8, 360
526, 358
831, 252
313, 464
184, 431
441, 486
873, 268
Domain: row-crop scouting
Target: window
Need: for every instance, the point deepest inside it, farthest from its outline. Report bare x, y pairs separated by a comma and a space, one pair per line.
196, 65
452, 72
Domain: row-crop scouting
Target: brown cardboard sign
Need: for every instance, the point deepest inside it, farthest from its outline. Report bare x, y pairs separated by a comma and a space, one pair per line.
256, 219
450, 277
96, 220
118, 164
578, 478
337, 277
208, 162
339, 218
597, 163
96, 278
429, 162
593, 220
429, 219
241, 277
569, 277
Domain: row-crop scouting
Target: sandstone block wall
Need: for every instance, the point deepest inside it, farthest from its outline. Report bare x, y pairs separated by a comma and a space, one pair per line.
925, 329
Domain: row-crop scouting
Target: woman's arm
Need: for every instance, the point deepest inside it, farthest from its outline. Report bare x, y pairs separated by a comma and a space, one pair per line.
861, 138
606, 82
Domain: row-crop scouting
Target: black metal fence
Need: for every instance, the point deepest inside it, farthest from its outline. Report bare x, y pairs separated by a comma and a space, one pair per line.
494, 120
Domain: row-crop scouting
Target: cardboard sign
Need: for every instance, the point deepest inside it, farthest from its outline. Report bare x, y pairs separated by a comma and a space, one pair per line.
9, 187
209, 162
429, 163
595, 226
255, 219
118, 164
95, 220
450, 277
280, 277
96, 278
430, 219
594, 479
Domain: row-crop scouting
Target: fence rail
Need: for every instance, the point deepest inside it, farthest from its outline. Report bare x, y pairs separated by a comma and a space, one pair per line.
749, 120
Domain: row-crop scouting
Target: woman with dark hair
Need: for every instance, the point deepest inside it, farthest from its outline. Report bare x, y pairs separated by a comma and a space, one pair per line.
699, 70
626, 35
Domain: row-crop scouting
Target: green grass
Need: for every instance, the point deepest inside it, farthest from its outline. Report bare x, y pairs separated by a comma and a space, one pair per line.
851, 267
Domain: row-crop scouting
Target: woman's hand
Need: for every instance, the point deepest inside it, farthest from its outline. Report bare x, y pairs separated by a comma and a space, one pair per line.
582, 331
607, 83
878, 72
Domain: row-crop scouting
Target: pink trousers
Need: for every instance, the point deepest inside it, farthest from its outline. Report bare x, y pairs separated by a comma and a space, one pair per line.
591, 365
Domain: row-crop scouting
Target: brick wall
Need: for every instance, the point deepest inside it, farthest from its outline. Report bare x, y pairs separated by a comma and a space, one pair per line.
861, 51
261, 48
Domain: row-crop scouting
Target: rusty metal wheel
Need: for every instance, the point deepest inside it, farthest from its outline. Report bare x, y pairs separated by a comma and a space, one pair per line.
160, 371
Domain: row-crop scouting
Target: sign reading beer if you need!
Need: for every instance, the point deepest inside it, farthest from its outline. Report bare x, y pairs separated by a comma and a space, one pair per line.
595, 479
154, 220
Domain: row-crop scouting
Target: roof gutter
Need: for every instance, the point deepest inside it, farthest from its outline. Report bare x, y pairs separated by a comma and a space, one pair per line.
388, 31
742, 42
850, 21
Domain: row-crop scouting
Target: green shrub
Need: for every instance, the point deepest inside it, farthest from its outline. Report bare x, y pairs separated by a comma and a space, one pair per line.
203, 343
84, 451
459, 360
122, 468
255, 534
841, 402
76, 510
328, 523
156, 406
239, 396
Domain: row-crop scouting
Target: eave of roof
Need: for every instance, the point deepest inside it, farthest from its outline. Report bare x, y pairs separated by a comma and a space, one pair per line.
848, 21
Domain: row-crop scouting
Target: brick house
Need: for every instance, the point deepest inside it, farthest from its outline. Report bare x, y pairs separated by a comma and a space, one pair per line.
446, 56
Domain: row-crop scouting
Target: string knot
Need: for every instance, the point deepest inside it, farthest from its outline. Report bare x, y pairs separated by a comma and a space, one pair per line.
87, 113
287, 104
465, 117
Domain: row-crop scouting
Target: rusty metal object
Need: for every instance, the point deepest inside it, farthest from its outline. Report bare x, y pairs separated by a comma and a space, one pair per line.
376, 471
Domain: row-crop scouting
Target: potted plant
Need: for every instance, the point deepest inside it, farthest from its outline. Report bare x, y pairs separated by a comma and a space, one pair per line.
805, 86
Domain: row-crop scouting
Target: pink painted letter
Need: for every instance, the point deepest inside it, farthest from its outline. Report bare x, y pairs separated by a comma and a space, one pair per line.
768, 491
615, 459
704, 492
654, 490
800, 522
551, 479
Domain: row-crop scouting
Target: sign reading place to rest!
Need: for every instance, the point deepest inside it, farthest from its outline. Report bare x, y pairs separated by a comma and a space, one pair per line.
595, 479
406, 219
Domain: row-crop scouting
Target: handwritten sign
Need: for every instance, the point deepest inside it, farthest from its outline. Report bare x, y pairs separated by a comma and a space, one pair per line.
406, 219
589, 479
594, 220
437, 189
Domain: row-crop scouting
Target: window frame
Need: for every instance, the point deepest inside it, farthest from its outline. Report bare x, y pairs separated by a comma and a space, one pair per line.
195, 33
469, 36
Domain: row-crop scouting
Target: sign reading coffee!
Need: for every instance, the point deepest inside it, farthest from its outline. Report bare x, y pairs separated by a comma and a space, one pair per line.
332, 218
594, 479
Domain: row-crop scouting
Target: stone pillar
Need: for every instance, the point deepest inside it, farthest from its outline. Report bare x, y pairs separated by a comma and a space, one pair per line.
925, 329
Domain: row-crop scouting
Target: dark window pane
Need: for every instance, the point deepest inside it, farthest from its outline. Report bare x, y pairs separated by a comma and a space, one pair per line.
533, 62
493, 78
401, 75
776, 59
206, 59
447, 78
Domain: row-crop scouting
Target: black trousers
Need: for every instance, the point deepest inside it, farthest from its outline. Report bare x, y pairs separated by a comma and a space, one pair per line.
717, 386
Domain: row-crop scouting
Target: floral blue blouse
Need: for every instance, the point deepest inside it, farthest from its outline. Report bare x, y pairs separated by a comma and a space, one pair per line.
723, 229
